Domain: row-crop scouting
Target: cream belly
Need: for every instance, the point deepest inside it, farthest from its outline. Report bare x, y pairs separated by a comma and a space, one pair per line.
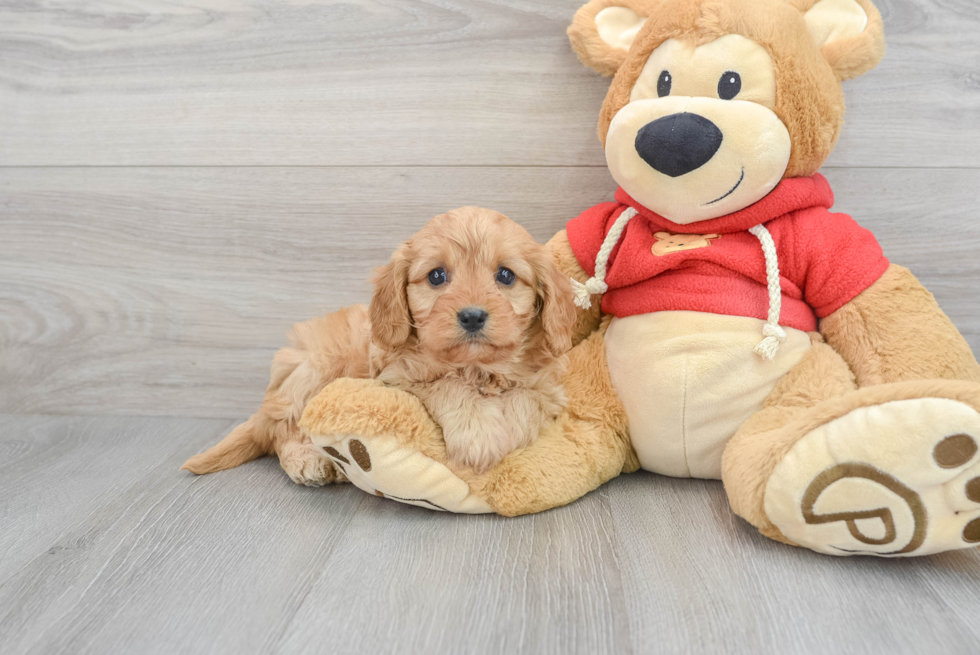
688, 380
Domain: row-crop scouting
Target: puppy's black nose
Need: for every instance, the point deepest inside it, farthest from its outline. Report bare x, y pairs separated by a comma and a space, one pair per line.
678, 144
472, 319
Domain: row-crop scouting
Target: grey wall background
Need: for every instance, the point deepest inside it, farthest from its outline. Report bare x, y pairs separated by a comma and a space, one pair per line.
183, 180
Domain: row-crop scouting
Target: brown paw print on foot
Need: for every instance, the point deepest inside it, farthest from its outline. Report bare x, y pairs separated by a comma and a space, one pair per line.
854, 470
952, 452
357, 462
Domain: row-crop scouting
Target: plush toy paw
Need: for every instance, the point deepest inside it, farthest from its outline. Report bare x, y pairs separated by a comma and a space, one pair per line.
383, 467
897, 479
386, 444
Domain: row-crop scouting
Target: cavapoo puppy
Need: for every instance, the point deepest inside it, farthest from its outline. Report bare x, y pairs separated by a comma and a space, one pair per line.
470, 315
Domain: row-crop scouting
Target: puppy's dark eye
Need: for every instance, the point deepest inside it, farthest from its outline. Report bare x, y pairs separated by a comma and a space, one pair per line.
505, 276
437, 276
729, 85
664, 83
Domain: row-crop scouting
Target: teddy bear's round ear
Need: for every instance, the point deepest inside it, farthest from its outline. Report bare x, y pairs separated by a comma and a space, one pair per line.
849, 33
603, 31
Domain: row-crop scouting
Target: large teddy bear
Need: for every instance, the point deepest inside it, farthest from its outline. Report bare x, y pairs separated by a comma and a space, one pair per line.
732, 326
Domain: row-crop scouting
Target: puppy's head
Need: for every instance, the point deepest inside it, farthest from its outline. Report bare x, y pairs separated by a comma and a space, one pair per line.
472, 287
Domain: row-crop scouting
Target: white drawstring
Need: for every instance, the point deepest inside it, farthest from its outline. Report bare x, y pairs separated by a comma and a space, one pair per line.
596, 284
773, 333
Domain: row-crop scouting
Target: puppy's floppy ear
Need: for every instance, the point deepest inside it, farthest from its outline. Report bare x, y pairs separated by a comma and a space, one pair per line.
849, 33
557, 306
603, 31
391, 320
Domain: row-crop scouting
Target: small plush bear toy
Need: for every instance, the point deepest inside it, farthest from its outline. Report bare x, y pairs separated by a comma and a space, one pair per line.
731, 325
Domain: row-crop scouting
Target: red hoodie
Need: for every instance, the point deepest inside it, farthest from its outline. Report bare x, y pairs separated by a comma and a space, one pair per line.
825, 259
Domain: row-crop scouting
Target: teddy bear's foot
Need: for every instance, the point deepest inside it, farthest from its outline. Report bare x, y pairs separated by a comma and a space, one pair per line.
385, 442
895, 479
383, 467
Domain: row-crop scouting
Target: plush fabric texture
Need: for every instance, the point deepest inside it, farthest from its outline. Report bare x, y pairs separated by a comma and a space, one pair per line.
833, 20
810, 101
855, 55
369, 408
588, 445
701, 144
591, 49
825, 259
894, 331
382, 439
889, 479
688, 380
763, 442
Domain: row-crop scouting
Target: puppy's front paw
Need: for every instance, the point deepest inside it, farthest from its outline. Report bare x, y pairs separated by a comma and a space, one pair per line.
305, 464
480, 452
483, 436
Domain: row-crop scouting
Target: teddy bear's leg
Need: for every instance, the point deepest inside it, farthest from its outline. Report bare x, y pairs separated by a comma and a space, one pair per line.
585, 447
890, 470
762, 441
386, 444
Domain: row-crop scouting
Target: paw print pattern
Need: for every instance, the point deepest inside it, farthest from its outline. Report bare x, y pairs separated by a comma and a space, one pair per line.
357, 463
956, 452
902, 478
951, 453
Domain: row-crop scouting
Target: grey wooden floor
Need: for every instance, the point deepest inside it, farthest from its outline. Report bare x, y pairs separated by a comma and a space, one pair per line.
180, 180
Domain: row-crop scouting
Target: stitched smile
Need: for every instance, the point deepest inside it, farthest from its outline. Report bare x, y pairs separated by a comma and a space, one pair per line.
737, 184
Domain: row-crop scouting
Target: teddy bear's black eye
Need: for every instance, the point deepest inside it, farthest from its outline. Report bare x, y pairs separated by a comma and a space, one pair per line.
663, 84
505, 276
729, 85
437, 276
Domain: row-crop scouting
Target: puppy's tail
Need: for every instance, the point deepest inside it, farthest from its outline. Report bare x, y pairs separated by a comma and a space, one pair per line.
243, 444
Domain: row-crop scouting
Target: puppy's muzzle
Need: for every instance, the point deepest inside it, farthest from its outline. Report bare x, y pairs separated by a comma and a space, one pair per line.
678, 144
472, 319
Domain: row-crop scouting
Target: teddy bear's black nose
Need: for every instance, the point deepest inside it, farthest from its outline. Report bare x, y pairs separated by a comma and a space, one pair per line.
679, 143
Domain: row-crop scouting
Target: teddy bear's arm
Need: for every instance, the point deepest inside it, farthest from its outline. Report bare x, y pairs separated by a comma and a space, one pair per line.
585, 447
587, 320
895, 331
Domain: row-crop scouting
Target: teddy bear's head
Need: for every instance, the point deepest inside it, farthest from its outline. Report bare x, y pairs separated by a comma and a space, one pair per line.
715, 101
